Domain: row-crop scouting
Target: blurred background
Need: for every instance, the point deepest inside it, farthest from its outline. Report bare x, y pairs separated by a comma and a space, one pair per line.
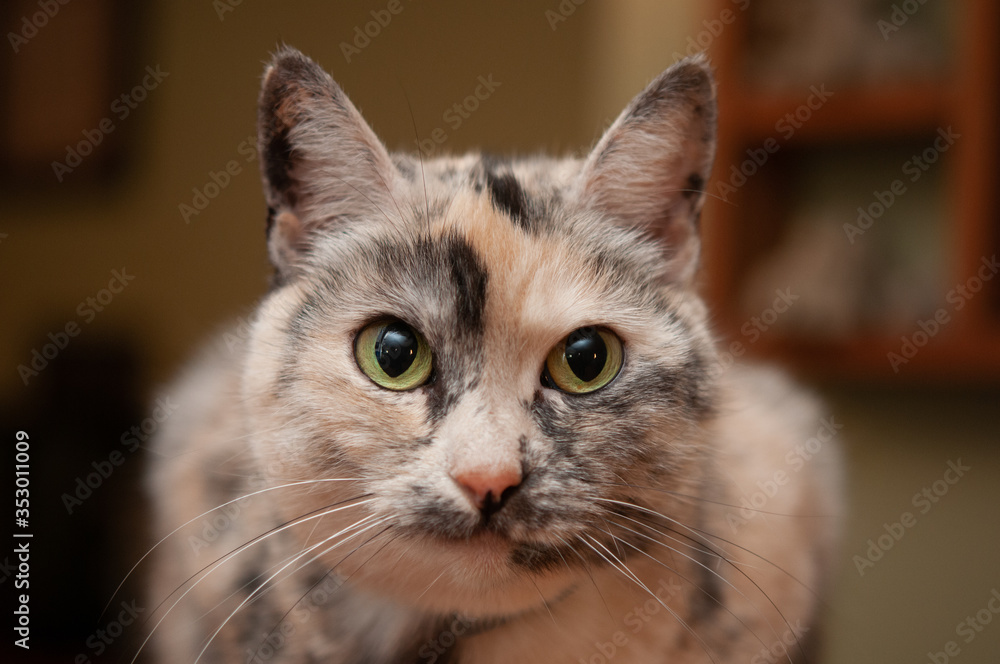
852, 235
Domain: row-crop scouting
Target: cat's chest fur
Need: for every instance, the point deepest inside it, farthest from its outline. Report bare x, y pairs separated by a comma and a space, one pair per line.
480, 418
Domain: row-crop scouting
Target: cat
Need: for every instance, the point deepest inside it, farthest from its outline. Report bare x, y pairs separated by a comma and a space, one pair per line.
480, 417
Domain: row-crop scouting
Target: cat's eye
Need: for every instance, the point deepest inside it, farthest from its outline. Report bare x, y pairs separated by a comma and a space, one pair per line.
586, 360
393, 355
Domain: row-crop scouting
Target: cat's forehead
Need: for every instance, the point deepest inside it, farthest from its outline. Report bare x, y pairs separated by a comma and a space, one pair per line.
548, 265
501, 248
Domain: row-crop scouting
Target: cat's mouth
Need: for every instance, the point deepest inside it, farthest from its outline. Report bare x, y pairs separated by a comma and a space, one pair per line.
494, 547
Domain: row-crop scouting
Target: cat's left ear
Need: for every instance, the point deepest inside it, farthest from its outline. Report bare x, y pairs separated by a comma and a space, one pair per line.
650, 168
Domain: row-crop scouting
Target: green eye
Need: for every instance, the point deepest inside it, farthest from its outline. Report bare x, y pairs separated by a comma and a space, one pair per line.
393, 355
587, 360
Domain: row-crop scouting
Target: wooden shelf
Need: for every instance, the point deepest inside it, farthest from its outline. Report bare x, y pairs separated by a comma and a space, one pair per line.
958, 359
857, 113
739, 232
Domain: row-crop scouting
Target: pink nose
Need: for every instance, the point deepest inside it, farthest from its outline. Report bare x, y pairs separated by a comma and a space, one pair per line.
486, 488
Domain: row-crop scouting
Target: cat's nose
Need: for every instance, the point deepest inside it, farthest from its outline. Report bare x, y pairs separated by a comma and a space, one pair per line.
489, 490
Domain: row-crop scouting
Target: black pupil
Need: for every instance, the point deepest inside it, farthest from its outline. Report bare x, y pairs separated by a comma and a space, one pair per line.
396, 348
586, 353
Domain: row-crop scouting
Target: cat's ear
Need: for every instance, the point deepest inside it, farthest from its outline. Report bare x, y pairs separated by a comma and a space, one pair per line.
321, 163
650, 168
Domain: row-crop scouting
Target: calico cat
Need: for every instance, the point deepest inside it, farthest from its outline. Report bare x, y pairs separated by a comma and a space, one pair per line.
480, 417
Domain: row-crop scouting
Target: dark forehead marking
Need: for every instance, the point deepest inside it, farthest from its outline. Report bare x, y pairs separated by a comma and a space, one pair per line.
454, 375
469, 277
506, 193
508, 197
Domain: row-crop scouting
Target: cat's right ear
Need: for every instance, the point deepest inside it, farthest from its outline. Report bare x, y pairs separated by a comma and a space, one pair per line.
650, 168
321, 163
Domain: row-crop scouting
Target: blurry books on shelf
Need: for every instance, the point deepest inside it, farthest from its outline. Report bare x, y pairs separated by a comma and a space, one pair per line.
852, 217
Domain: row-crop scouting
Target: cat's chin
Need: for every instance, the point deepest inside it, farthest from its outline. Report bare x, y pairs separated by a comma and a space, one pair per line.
473, 576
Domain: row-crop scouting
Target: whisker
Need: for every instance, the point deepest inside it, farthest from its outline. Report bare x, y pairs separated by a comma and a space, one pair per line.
221, 561
586, 567
699, 563
374, 204
431, 584
545, 603
631, 575
308, 516
678, 494
730, 562
204, 514
255, 592
321, 580
703, 534
420, 156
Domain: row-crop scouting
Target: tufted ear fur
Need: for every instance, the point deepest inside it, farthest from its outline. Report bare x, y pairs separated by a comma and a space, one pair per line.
321, 163
650, 168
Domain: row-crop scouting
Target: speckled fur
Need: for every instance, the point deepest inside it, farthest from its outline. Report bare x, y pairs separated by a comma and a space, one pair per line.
349, 541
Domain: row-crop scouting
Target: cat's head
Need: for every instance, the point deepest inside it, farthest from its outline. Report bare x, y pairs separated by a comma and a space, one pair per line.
503, 355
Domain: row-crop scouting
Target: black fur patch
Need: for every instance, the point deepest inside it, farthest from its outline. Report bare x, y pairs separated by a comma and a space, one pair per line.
695, 186
271, 214
469, 277
508, 197
537, 559
442, 396
278, 165
506, 193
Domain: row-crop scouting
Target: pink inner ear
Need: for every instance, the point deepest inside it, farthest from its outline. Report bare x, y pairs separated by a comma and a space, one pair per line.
290, 228
287, 239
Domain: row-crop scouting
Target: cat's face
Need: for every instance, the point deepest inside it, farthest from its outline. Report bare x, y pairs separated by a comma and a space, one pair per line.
495, 354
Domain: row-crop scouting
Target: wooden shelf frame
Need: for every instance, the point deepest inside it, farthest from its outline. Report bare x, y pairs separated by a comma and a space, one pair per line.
968, 99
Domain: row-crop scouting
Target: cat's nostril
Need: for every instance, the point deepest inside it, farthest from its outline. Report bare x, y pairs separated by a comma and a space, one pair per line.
488, 490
